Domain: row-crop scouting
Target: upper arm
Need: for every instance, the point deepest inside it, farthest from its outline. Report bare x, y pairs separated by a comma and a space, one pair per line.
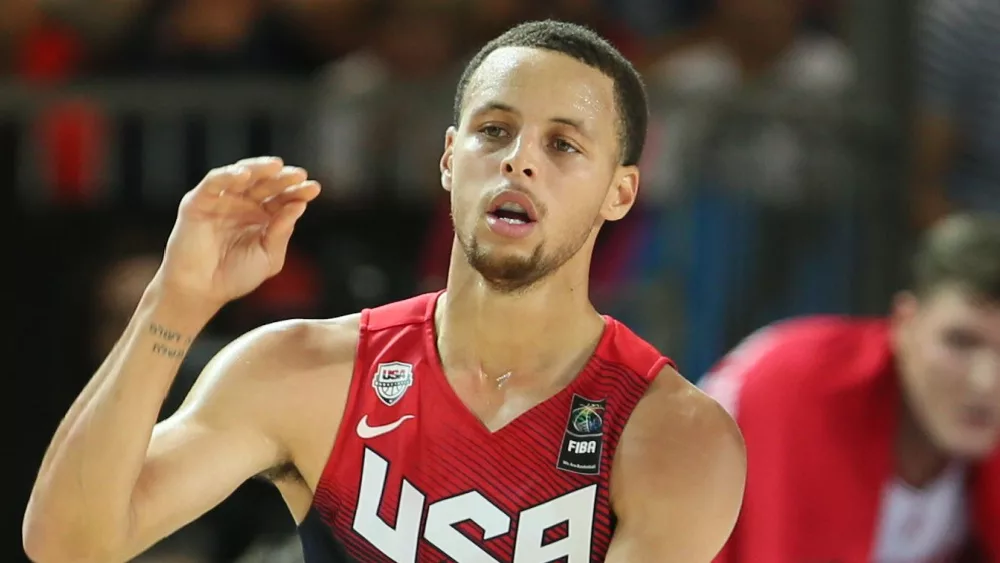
208, 448
678, 478
231, 427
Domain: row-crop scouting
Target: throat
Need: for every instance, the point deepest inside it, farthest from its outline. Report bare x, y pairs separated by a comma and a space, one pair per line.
918, 461
497, 400
500, 380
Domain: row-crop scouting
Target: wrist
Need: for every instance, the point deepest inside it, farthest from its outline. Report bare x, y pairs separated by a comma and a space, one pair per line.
186, 314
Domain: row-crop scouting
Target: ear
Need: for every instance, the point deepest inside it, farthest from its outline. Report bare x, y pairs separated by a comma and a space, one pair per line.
622, 193
446, 158
905, 306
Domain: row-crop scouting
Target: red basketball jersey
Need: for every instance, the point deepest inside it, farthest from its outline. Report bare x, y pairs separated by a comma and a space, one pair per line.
415, 476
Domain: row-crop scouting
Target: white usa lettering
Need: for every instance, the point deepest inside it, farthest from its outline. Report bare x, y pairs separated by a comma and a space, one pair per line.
401, 542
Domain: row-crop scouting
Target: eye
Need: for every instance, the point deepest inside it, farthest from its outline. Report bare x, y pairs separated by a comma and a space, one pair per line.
493, 131
963, 340
562, 145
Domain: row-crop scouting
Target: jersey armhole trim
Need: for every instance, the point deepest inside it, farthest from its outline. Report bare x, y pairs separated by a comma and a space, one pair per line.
657, 367
357, 373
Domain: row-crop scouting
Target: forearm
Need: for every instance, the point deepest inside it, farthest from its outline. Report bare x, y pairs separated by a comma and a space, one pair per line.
87, 477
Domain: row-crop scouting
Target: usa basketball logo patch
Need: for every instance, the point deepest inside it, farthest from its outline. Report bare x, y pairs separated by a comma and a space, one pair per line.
391, 381
583, 440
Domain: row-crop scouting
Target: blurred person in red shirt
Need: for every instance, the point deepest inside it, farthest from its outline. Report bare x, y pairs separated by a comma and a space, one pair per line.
46, 45
876, 440
33, 46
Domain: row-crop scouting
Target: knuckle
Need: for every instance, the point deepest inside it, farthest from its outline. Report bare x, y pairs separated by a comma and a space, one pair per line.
259, 160
215, 173
267, 162
225, 172
292, 171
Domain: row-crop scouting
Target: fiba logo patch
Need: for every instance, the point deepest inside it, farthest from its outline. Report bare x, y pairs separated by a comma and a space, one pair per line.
391, 381
587, 419
583, 441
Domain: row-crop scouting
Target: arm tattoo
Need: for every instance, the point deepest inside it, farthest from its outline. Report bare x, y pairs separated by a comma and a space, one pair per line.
171, 344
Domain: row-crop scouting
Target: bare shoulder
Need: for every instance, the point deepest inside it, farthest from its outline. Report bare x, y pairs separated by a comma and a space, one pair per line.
297, 345
678, 475
675, 429
285, 378
279, 353
690, 414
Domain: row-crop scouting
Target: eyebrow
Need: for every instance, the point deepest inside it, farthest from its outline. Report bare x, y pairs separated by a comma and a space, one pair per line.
500, 106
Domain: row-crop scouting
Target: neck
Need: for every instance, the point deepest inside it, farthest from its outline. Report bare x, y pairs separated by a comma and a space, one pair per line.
536, 333
918, 460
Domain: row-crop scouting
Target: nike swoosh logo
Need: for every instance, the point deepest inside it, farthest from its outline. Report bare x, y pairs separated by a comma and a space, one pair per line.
366, 432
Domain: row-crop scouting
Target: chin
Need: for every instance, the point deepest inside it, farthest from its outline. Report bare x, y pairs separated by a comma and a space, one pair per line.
505, 252
972, 445
494, 247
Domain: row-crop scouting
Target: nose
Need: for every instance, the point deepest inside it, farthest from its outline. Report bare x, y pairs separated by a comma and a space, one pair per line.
521, 160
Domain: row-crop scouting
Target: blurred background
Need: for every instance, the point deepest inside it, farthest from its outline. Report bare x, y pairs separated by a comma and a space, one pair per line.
796, 147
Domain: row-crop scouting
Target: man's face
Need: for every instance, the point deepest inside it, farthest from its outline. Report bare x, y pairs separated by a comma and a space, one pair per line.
533, 166
949, 354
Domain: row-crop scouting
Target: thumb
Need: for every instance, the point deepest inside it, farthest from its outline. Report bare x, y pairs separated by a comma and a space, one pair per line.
279, 231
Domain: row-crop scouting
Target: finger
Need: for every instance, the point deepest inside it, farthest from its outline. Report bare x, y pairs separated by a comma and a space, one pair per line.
268, 186
305, 191
236, 178
262, 166
224, 179
279, 231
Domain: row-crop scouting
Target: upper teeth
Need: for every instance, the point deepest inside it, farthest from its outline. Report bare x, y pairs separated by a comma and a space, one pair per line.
511, 206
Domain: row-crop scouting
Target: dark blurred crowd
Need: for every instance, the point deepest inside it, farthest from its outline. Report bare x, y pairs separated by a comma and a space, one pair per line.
760, 184
59, 39
149, 94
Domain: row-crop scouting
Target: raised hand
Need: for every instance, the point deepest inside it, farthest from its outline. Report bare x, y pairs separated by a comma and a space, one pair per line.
232, 230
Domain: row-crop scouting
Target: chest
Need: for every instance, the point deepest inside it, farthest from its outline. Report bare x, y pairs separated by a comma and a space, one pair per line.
416, 473
519, 447
494, 402
926, 525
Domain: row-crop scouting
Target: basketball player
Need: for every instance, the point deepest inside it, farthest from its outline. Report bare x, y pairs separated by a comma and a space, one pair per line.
501, 420
878, 440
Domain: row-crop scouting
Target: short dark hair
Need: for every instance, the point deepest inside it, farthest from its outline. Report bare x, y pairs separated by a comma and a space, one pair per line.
591, 49
962, 250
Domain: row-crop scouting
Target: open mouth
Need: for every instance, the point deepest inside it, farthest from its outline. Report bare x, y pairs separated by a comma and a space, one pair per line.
512, 208
511, 213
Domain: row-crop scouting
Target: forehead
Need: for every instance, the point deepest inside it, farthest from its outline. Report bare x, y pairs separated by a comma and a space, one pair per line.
952, 304
543, 83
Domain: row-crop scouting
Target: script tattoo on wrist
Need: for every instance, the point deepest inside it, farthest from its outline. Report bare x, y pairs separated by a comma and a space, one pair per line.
170, 343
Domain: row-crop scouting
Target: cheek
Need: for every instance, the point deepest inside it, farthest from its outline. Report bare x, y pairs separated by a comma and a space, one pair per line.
465, 203
578, 219
945, 367
465, 176
589, 200
472, 169
462, 206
